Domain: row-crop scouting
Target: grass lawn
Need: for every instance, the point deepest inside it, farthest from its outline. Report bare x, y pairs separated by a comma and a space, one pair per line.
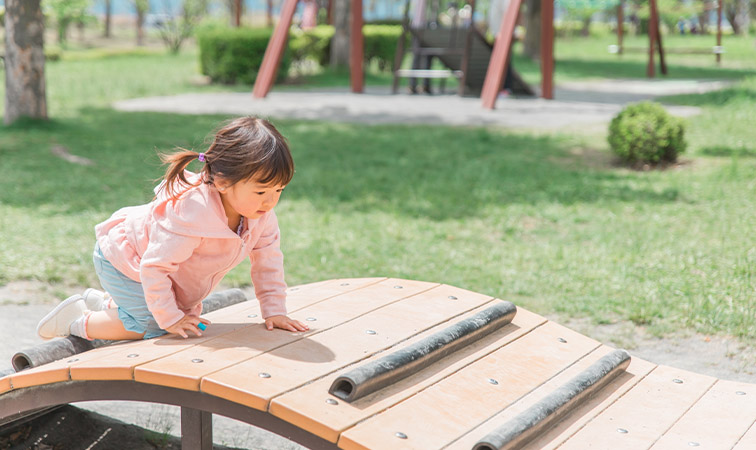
544, 220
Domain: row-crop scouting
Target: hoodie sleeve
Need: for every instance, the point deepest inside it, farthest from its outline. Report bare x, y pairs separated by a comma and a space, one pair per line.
162, 257
267, 270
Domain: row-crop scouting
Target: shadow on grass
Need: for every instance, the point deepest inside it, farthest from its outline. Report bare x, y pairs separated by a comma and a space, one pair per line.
742, 92
435, 172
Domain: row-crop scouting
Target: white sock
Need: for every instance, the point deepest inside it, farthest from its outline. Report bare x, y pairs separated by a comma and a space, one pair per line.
79, 326
108, 302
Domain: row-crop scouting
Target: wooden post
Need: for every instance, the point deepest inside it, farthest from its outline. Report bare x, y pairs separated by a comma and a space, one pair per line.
652, 30
196, 429
662, 62
719, 30
276, 47
620, 25
465, 63
500, 56
237, 13
547, 49
356, 48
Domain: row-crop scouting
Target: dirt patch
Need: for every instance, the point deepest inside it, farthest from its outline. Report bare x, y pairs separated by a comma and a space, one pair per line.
32, 292
71, 427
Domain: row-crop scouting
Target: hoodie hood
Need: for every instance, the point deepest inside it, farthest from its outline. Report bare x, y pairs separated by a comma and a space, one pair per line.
197, 212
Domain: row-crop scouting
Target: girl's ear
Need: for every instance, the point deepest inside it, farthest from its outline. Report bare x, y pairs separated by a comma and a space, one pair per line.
221, 184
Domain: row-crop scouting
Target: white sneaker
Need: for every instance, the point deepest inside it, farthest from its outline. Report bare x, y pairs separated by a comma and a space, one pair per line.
95, 299
57, 323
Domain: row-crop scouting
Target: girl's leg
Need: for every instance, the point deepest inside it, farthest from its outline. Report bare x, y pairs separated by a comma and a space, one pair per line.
105, 324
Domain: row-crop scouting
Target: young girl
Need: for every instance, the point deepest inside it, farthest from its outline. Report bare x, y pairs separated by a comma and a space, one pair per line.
158, 261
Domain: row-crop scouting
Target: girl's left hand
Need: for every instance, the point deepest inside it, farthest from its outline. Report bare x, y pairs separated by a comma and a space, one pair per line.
284, 323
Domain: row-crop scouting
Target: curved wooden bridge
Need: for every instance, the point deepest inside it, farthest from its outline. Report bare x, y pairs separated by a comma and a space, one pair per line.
411, 365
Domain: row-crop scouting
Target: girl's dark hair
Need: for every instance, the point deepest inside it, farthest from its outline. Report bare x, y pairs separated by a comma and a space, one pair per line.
245, 148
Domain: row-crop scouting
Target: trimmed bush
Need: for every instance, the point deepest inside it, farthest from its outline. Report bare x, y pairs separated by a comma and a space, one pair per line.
646, 133
234, 55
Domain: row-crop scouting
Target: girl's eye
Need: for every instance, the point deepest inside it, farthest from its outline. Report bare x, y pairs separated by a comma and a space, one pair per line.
260, 193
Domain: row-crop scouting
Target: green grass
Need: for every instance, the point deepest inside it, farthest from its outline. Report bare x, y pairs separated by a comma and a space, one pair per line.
544, 220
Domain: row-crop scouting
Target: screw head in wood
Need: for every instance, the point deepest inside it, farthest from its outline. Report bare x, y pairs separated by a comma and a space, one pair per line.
331, 401
400, 435
740, 393
677, 381
622, 431
562, 340
132, 355
693, 444
72, 360
451, 297
492, 381
264, 375
398, 287
197, 360
252, 316
371, 332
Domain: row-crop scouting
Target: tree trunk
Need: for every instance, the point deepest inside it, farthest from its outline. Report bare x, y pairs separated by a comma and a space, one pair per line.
24, 61
141, 13
743, 17
730, 12
108, 16
532, 43
269, 13
237, 13
340, 41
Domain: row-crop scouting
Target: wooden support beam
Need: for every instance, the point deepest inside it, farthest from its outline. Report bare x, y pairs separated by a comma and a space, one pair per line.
547, 49
276, 47
356, 48
196, 429
652, 31
500, 56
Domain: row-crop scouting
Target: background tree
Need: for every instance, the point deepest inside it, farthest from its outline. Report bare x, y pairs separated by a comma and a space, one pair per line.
531, 46
181, 24
65, 13
108, 17
24, 60
737, 12
142, 7
340, 40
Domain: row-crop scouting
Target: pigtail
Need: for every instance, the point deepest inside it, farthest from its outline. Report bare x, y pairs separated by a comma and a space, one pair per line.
175, 177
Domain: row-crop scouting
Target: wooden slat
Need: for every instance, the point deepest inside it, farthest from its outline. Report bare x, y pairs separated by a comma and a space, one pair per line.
717, 421
121, 365
179, 370
56, 371
5, 384
583, 413
446, 410
553, 438
748, 441
645, 412
305, 406
295, 364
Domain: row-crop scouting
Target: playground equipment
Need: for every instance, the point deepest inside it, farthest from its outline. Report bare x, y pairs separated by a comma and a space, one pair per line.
619, 48
460, 46
401, 364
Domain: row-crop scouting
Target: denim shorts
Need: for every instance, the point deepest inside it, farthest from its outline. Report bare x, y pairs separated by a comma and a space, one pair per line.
128, 295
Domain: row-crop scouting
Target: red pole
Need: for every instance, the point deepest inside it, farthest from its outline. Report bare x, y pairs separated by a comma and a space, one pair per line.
653, 20
276, 47
497, 66
237, 13
620, 25
547, 49
719, 30
356, 50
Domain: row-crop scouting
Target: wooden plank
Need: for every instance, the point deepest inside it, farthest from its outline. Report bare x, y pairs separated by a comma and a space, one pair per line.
643, 414
467, 398
5, 384
304, 406
748, 441
185, 369
717, 421
121, 365
634, 373
293, 365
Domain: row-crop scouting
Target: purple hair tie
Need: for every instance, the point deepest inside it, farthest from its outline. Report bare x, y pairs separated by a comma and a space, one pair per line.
201, 157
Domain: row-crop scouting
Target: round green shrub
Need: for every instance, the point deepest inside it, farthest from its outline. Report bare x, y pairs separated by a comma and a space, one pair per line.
646, 133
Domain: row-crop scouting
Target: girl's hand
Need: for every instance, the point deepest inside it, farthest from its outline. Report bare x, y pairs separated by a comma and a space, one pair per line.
285, 323
188, 323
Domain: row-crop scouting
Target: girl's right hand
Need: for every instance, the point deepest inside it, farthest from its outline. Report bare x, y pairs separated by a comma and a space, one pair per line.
188, 323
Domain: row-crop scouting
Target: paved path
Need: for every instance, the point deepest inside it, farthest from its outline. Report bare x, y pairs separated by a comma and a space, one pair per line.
577, 103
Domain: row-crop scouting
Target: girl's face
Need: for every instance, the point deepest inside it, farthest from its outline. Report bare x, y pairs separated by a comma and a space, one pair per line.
248, 198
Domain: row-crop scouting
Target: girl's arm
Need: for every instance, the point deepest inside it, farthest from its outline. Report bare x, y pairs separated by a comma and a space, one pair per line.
161, 258
267, 270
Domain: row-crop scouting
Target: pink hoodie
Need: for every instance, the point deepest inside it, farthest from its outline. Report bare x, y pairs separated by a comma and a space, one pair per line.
180, 250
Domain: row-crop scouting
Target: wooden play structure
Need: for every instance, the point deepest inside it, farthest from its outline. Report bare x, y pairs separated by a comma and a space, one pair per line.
400, 364
458, 51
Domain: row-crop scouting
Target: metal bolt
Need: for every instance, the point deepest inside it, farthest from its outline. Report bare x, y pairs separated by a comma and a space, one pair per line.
622, 430
252, 316
451, 297
740, 393
344, 284
72, 360
264, 375
562, 340
197, 360
132, 355
331, 401
492, 381
677, 381
370, 332
294, 289
398, 287
311, 319
400, 435
693, 444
